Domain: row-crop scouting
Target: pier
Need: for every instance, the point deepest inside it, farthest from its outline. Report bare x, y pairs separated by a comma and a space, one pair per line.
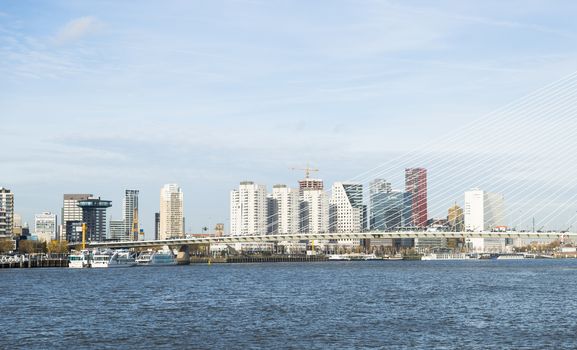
33, 261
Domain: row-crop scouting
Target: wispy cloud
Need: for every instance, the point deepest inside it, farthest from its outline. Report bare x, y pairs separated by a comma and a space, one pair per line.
78, 28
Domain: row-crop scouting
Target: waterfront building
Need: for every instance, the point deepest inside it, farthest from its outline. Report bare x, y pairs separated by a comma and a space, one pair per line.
171, 212
94, 217
156, 226
484, 211
6, 212
72, 216
248, 209
456, 219
347, 211
314, 210
390, 210
285, 209
118, 230
416, 185
45, 226
130, 214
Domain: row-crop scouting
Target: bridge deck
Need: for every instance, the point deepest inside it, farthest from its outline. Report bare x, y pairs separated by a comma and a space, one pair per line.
331, 236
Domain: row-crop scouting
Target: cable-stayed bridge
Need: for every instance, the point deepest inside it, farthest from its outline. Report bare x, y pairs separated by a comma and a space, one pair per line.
331, 236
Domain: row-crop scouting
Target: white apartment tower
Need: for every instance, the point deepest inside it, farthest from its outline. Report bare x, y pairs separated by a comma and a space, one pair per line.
347, 212
6, 212
286, 216
315, 211
45, 226
171, 212
248, 209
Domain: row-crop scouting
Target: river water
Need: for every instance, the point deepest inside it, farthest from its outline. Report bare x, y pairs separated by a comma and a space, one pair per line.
528, 304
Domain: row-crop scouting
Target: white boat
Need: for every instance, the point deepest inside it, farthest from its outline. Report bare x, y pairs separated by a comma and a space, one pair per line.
354, 256
111, 259
163, 257
79, 260
339, 257
395, 257
446, 256
511, 257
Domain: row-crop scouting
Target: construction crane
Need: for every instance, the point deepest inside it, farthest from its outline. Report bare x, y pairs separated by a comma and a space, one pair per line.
307, 170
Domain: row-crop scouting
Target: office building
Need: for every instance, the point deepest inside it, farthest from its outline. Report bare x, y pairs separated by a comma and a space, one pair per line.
416, 185
156, 226
72, 217
484, 211
118, 230
6, 212
248, 209
94, 217
171, 212
390, 210
45, 226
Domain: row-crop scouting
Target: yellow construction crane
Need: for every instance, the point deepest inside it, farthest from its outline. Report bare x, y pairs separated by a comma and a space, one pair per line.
307, 170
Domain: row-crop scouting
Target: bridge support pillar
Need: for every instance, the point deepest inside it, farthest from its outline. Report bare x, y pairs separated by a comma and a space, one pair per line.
183, 256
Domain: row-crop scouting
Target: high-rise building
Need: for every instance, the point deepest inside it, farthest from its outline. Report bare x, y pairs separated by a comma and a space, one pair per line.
94, 216
45, 226
171, 212
118, 230
156, 226
456, 219
72, 217
347, 211
285, 214
484, 211
6, 212
248, 209
314, 211
416, 185
390, 210
130, 214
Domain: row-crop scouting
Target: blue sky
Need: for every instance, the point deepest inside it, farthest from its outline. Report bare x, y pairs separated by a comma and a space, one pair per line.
101, 96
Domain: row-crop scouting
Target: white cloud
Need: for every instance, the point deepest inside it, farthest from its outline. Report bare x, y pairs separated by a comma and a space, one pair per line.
78, 28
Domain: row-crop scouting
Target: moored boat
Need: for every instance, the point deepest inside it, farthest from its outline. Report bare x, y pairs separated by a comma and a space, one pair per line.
79, 260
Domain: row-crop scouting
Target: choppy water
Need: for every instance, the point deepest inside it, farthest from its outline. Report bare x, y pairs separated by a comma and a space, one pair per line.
374, 305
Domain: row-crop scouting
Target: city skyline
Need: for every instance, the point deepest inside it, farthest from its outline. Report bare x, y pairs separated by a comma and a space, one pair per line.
76, 76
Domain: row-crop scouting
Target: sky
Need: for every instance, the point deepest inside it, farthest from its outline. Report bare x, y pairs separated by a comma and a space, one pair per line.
101, 96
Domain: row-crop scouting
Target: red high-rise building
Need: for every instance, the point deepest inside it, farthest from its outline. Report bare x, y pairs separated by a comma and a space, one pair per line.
416, 185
